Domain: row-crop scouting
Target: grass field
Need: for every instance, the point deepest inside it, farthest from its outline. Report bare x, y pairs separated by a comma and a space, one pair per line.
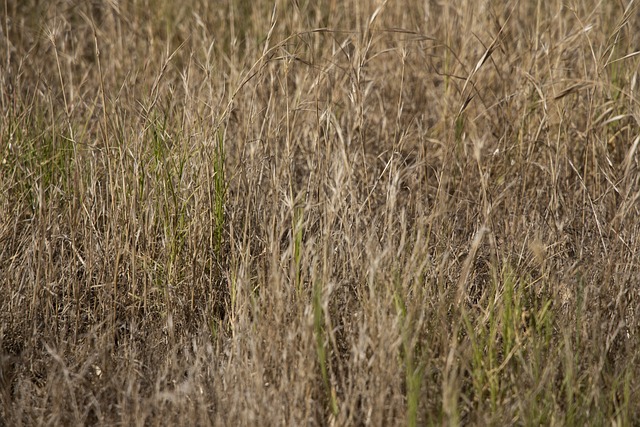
319, 213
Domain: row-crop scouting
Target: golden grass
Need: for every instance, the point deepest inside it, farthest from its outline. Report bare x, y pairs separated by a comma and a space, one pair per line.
319, 213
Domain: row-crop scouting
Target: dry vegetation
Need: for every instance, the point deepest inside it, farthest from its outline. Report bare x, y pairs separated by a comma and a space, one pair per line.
322, 213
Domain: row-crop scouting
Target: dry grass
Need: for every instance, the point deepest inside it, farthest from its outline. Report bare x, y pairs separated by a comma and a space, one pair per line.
327, 213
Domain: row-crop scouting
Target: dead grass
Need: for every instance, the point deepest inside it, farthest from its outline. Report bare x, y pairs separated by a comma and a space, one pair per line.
322, 213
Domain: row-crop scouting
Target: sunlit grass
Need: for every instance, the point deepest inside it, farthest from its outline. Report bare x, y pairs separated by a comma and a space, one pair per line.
319, 213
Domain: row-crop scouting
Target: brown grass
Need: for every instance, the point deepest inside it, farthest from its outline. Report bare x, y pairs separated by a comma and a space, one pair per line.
322, 213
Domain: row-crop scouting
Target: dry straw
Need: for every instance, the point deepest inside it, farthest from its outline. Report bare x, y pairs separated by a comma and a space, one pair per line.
319, 213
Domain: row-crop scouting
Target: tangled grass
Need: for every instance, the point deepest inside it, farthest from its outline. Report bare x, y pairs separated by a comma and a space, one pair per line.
319, 213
